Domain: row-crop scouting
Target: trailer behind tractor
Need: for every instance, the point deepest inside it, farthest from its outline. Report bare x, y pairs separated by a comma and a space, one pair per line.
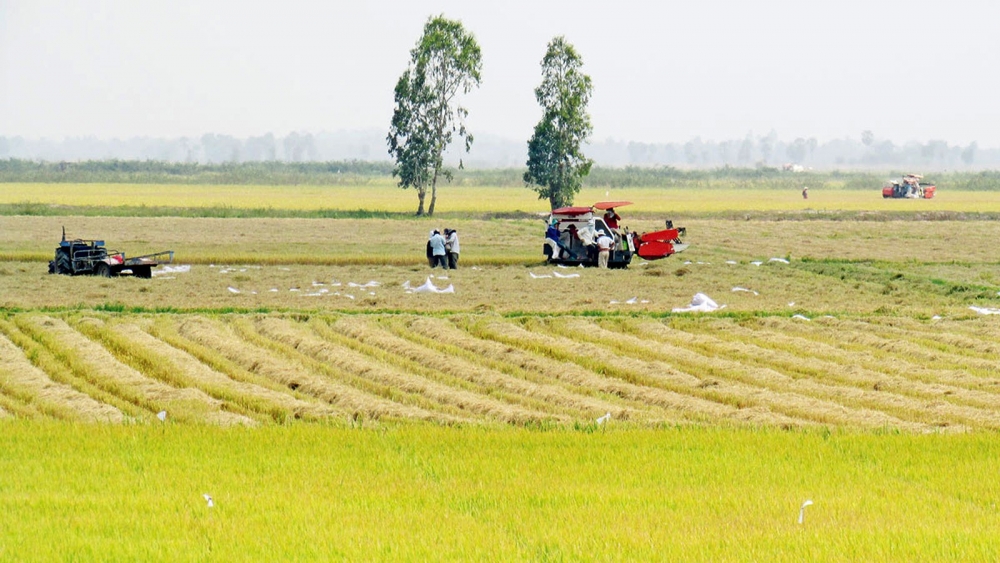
90, 257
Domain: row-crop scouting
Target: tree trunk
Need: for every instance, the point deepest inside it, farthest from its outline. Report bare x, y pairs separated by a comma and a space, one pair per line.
421, 193
434, 193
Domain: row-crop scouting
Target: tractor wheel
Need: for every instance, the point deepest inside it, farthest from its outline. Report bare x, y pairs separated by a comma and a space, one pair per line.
103, 270
63, 265
52, 266
144, 272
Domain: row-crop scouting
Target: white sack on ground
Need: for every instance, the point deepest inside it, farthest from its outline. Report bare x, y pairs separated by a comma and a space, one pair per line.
985, 310
181, 269
700, 303
429, 287
233, 289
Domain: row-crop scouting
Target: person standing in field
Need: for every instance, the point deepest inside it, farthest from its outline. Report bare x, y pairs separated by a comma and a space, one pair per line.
611, 219
604, 243
436, 244
805, 192
451, 247
430, 252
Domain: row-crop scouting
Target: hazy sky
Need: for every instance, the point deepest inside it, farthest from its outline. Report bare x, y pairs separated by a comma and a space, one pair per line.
662, 70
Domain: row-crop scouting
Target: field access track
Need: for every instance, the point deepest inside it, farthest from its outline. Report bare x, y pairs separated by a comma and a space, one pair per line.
888, 373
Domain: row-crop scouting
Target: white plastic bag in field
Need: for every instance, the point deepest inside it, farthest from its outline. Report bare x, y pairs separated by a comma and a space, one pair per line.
700, 303
429, 287
985, 310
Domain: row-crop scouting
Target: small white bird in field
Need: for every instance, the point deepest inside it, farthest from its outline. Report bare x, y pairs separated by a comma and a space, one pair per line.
208, 498
802, 510
162, 415
605, 418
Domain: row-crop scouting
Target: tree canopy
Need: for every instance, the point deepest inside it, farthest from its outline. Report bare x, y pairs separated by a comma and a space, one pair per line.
446, 61
556, 164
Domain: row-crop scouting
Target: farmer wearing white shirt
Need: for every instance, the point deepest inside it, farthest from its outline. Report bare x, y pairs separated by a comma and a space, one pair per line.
437, 251
604, 243
451, 247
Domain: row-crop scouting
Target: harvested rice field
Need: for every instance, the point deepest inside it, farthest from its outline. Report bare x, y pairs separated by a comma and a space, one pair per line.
534, 371
299, 372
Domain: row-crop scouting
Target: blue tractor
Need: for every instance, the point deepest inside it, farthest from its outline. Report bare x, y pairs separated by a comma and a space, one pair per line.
91, 257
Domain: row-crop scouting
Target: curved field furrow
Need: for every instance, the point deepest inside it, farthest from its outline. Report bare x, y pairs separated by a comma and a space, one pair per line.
924, 349
826, 361
719, 400
825, 403
300, 345
664, 405
485, 381
273, 405
930, 412
898, 356
62, 365
963, 338
330, 344
129, 384
20, 378
186, 404
442, 339
346, 399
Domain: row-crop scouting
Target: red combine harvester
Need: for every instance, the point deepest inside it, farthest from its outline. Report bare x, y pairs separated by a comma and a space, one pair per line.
573, 231
908, 187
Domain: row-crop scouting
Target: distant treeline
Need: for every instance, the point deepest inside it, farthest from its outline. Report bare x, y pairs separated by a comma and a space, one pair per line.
359, 172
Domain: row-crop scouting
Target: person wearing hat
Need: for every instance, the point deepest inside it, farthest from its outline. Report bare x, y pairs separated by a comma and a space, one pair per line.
805, 192
604, 243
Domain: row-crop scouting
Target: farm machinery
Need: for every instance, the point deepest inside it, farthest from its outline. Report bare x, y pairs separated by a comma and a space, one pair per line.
908, 187
573, 231
91, 257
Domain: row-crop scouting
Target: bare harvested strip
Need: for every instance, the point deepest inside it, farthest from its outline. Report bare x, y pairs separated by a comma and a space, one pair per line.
165, 329
154, 366
577, 378
714, 400
493, 373
63, 366
827, 404
275, 404
348, 400
289, 349
878, 352
975, 356
55, 399
183, 404
482, 380
930, 412
299, 343
861, 370
335, 349
951, 336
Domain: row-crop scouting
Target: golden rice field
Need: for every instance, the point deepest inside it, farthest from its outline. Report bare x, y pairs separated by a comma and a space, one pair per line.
334, 415
419, 493
385, 196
